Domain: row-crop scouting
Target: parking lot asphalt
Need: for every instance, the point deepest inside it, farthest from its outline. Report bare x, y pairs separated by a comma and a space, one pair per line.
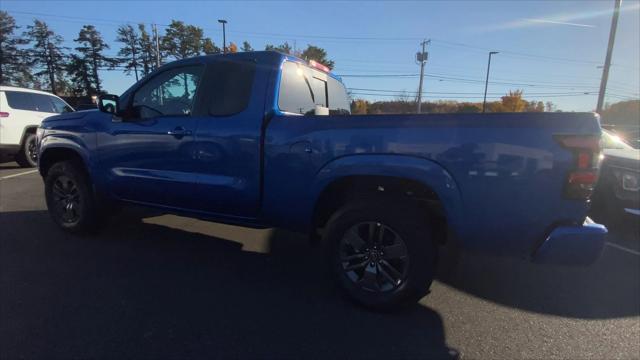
162, 286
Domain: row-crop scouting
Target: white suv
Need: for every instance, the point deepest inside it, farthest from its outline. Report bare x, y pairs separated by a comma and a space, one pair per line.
21, 112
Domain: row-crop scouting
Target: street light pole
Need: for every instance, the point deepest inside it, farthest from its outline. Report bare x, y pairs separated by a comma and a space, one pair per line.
607, 60
224, 35
486, 82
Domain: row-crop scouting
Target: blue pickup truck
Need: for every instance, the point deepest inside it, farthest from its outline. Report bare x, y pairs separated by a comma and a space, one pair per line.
263, 139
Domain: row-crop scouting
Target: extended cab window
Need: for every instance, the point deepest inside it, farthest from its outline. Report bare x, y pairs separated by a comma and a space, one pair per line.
169, 93
230, 84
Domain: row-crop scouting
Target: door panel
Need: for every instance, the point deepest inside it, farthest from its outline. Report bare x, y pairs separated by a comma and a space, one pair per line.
228, 139
149, 157
145, 163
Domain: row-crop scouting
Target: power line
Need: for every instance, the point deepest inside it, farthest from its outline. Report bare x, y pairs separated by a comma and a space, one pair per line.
349, 38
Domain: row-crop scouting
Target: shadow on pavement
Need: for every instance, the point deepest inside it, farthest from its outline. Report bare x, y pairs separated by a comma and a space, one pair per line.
140, 290
610, 288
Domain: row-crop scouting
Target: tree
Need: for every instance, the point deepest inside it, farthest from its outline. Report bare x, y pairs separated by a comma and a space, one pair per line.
469, 108
318, 54
359, 107
81, 76
246, 47
47, 54
91, 54
513, 102
284, 48
549, 106
182, 41
623, 113
233, 48
14, 67
534, 106
147, 47
130, 50
209, 47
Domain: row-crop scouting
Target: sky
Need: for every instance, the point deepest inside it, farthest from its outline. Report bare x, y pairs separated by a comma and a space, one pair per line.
552, 50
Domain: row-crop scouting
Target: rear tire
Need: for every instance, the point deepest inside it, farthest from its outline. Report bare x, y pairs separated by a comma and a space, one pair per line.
381, 253
28, 156
70, 198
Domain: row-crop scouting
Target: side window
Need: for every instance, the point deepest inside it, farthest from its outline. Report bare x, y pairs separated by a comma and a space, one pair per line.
60, 106
295, 94
32, 102
20, 100
230, 84
169, 93
42, 103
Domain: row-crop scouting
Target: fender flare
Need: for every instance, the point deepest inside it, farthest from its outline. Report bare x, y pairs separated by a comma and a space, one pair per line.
67, 142
424, 171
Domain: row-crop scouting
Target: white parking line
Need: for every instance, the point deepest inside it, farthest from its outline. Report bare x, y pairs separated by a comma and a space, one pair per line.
18, 174
619, 247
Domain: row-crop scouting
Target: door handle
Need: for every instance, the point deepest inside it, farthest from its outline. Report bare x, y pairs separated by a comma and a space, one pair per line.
179, 132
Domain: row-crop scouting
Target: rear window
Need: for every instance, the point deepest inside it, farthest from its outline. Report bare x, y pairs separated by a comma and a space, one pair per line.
36, 102
295, 90
338, 98
230, 86
302, 88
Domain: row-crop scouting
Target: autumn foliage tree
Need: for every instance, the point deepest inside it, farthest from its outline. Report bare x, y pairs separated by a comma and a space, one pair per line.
513, 102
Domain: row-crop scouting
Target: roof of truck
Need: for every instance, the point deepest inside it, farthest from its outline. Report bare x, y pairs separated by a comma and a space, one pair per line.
269, 57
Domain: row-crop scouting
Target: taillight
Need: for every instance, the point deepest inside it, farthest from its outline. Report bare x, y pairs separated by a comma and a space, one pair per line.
4, 114
582, 179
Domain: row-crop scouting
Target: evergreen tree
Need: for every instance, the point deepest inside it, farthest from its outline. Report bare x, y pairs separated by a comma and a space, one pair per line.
246, 47
130, 50
47, 54
14, 63
91, 51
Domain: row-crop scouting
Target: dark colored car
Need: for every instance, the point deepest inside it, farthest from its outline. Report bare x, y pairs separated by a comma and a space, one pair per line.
617, 194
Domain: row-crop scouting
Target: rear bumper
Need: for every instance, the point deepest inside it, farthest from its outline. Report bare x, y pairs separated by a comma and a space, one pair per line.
572, 245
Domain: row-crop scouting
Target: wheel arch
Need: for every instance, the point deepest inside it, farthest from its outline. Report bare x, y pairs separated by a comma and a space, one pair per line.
391, 176
28, 130
54, 154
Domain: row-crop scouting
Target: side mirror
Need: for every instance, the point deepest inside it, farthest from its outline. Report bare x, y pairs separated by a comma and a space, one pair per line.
321, 110
109, 104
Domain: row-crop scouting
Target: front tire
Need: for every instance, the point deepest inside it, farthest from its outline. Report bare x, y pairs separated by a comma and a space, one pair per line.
28, 155
70, 198
381, 253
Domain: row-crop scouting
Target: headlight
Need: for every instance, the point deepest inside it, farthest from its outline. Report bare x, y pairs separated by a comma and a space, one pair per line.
39, 134
630, 181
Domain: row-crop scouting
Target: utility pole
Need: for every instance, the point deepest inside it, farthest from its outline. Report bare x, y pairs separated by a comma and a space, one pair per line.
422, 58
224, 35
155, 33
607, 61
486, 82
